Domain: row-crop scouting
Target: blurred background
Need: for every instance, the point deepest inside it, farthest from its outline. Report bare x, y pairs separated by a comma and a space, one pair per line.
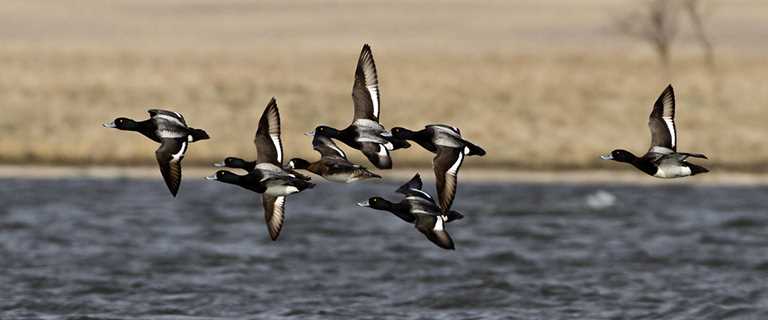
541, 85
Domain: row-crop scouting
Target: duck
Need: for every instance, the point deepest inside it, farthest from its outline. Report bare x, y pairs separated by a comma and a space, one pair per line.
268, 176
333, 164
366, 132
170, 130
662, 159
420, 209
449, 148
248, 166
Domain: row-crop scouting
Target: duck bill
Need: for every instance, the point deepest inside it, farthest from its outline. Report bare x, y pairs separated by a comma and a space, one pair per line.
606, 157
219, 164
311, 133
364, 204
109, 125
211, 177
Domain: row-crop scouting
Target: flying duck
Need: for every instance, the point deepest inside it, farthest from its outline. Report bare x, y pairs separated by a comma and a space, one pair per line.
419, 208
449, 148
366, 133
333, 164
170, 130
268, 176
662, 160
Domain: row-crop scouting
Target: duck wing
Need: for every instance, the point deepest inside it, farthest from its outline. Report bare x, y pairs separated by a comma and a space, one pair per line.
172, 116
274, 214
446, 164
413, 187
377, 154
269, 147
365, 91
662, 121
433, 227
169, 157
327, 148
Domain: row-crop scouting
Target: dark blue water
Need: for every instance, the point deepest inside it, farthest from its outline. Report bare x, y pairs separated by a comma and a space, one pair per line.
123, 249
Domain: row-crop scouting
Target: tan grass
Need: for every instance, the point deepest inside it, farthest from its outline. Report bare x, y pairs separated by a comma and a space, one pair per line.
532, 103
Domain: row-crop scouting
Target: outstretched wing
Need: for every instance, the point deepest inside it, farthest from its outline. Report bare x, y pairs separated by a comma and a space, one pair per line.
274, 214
365, 91
447, 163
416, 196
662, 121
433, 227
326, 147
267, 138
169, 157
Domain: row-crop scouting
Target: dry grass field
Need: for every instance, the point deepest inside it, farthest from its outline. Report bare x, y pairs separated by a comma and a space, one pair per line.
539, 84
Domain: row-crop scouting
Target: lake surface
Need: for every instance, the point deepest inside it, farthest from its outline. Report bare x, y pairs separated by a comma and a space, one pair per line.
124, 249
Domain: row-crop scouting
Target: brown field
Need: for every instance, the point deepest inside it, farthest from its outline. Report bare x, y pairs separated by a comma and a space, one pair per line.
539, 84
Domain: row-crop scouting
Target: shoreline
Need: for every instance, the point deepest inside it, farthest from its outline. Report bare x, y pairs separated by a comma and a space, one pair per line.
471, 175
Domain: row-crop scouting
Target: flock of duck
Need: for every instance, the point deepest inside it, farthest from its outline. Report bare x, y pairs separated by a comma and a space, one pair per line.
274, 179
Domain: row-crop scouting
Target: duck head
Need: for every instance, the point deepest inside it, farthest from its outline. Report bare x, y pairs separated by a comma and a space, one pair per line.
224, 176
298, 163
377, 203
401, 133
324, 130
122, 124
619, 155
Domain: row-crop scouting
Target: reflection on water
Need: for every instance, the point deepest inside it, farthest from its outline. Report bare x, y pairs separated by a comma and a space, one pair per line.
124, 249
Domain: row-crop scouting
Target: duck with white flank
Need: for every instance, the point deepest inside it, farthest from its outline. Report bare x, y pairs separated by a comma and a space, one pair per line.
366, 133
419, 208
333, 164
662, 160
170, 130
268, 176
449, 148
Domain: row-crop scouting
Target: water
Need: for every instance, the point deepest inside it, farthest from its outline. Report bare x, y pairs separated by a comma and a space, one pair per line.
123, 249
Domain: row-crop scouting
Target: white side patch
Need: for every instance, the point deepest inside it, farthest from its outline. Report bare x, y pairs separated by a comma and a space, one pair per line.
278, 146
671, 127
176, 157
382, 151
389, 146
439, 224
455, 167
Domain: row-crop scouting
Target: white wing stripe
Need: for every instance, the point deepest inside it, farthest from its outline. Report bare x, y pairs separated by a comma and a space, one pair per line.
177, 156
374, 91
171, 119
455, 167
278, 146
671, 127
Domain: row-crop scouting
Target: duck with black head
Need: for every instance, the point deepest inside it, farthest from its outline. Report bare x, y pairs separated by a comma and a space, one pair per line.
333, 164
170, 130
419, 208
268, 175
662, 159
449, 148
366, 132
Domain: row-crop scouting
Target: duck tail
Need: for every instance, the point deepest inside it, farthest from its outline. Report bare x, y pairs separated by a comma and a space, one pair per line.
454, 215
473, 150
198, 134
697, 169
